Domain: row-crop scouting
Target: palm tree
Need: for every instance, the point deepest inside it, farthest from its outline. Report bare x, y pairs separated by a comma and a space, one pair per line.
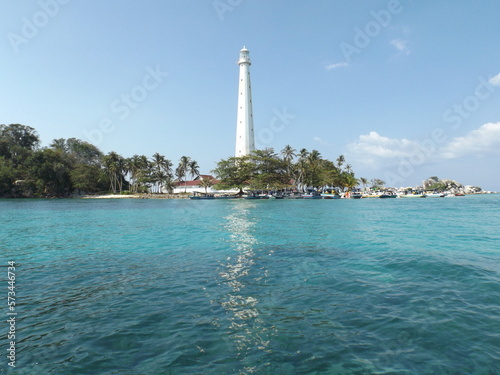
141, 170
167, 168
303, 153
59, 144
377, 183
340, 161
349, 180
133, 169
179, 173
114, 166
288, 154
160, 170
161, 178
121, 166
193, 169
313, 166
167, 165
301, 167
363, 181
182, 169
206, 183
158, 161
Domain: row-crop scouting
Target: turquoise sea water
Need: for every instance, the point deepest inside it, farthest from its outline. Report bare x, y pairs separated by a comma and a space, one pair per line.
367, 286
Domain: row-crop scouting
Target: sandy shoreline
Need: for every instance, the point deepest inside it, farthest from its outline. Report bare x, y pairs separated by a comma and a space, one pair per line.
137, 196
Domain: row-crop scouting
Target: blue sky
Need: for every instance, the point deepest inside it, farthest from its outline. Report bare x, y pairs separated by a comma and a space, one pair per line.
404, 89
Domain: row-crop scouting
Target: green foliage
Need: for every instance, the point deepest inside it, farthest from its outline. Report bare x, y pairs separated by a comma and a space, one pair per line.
7, 174
17, 142
265, 170
70, 165
269, 172
50, 172
440, 186
206, 183
114, 173
377, 183
88, 178
234, 173
18, 135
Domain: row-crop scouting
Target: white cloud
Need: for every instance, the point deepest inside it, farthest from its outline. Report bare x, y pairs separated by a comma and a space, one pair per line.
402, 162
336, 65
375, 150
495, 81
401, 45
485, 140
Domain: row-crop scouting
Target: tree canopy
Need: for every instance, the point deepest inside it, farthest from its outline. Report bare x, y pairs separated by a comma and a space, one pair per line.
266, 170
70, 166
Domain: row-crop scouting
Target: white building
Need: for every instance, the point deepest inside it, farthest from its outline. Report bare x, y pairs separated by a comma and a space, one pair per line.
195, 186
245, 140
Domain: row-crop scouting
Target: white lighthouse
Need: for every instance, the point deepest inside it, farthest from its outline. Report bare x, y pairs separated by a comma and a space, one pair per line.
245, 142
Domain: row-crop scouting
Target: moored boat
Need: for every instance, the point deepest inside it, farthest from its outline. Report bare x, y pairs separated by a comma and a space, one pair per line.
388, 195
294, 196
330, 196
202, 196
313, 195
371, 195
277, 195
256, 196
412, 196
435, 195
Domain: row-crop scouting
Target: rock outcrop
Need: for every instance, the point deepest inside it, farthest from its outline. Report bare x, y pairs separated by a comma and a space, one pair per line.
444, 184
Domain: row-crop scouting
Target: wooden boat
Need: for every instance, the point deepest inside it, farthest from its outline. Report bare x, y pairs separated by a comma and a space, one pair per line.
202, 196
312, 195
330, 196
435, 195
372, 195
412, 196
278, 196
260, 196
388, 195
294, 196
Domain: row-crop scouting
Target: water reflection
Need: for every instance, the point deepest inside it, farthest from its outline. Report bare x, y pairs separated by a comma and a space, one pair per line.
243, 274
